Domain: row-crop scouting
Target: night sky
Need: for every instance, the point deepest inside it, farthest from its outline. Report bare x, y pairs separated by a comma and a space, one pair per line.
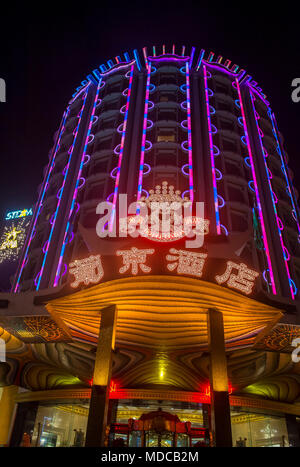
47, 51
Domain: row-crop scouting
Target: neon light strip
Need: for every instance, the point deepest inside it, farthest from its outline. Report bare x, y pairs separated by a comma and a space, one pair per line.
114, 202
77, 186
220, 68
40, 202
192, 56
117, 68
141, 168
212, 157
145, 56
283, 165
202, 52
260, 214
77, 94
189, 123
274, 205
168, 58
137, 59
60, 197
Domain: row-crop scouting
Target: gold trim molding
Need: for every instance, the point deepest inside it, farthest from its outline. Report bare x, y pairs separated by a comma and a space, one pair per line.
56, 395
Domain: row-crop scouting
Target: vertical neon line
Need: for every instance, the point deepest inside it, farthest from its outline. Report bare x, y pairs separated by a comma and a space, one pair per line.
189, 124
212, 157
145, 56
60, 197
40, 203
260, 214
141, 168
274, 206
283, 165
201, 55
62, 252
115, 197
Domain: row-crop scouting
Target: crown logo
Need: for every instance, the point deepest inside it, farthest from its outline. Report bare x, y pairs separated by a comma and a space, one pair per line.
164, 194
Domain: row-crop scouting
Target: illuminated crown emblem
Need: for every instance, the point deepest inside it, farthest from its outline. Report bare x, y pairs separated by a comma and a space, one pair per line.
164, 194
171, 226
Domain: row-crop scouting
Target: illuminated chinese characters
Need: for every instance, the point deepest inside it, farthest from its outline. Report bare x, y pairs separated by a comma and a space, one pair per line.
186, 262
243, 280
87, 271
135, 261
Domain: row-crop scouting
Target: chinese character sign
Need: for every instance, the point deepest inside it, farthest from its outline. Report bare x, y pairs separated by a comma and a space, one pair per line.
87, 271
133, 259
186, 262
242, 280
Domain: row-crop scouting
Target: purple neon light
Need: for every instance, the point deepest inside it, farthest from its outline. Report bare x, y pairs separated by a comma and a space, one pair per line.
142, 157
77, 187
117, 68
274, 205
189, 121
118, 168
212, 155
220, 68
260, 214
265, 240
59, 200
40, 201
78, 94
294, 211
166, 58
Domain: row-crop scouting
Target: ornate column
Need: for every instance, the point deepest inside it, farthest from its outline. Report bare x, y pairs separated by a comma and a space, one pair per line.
220, 408
7, 408
97, 419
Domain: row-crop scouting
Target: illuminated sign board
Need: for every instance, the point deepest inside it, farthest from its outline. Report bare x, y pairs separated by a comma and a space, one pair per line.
13, 235
17, 214
135, 261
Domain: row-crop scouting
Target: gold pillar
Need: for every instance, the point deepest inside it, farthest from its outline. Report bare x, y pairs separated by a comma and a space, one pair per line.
97, 419
220, 407
7, 406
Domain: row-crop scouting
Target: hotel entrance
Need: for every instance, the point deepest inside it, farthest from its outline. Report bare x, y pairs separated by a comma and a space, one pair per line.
162, 424
158, 429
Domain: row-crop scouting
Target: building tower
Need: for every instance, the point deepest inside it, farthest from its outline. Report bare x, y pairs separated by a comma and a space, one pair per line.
190, 126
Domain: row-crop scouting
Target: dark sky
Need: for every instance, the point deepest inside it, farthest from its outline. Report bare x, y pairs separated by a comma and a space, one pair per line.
46, 51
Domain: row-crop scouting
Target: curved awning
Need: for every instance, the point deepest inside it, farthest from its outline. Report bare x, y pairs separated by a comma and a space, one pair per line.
163, 312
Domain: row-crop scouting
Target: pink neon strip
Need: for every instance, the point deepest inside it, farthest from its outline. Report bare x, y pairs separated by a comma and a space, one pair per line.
145, 56
189, 122
115, 197
274, 206
57, 275
40, 202
142, 158
283, 165
212, 157
59, 200
118, 67
261, 218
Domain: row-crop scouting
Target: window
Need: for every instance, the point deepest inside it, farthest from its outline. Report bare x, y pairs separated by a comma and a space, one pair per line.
166, 138
223, 105
239, 222
236, 193
227, 124
232, 168
167, 114
96, 191
229, 145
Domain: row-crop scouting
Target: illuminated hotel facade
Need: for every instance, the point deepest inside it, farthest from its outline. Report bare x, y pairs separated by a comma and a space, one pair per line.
143, 341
